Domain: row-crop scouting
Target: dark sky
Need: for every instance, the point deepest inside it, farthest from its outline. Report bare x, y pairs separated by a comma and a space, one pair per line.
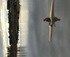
38, 43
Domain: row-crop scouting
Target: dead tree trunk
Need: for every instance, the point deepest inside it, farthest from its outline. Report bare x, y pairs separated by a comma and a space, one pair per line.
13, 16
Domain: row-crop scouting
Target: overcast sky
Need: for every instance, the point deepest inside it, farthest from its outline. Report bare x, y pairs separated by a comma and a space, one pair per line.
38, 43
38, 31
1, 40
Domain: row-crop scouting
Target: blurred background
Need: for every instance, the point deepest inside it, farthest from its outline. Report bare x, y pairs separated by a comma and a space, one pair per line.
23, 28
33, 33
